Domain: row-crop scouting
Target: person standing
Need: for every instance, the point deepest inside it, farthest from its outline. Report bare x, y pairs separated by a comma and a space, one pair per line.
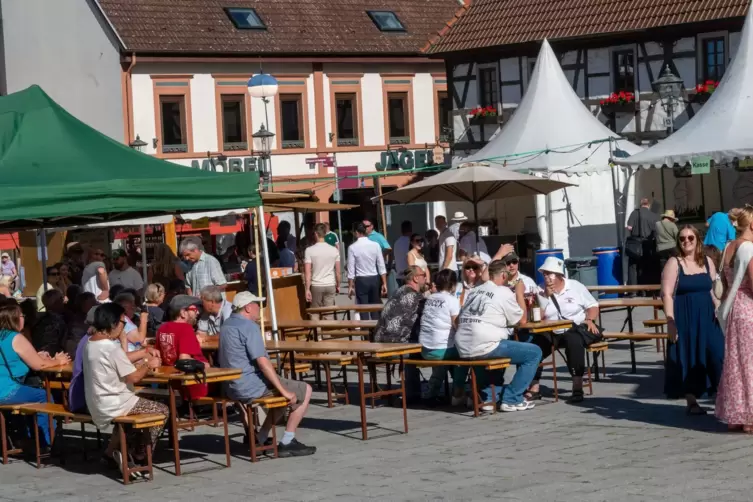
457, 220
321, 266
9, 268
695, 353
666, 237
285, 238
416, 255
401, 248
206, 270
471, 243
165, 267
365, 270
720, 231
639, 247
331, 237
448, 245
94, 277
124, 274
734, 401
374, 235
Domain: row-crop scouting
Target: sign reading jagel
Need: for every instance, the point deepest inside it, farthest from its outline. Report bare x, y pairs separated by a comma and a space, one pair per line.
394, 160
232, 165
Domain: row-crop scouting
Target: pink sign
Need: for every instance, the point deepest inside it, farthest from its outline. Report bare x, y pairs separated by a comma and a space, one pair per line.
344, 173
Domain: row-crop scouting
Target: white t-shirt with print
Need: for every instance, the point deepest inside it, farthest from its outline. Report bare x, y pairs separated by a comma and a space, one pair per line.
487, 317
574, 300
436, 321
107, 394
446, 239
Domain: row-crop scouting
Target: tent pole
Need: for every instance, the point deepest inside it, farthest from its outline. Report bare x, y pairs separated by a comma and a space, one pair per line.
663, 190
43, 247
257, 264
703, 199
616, 192
270, 290
721, 192
475, 219
549, 227
143, 255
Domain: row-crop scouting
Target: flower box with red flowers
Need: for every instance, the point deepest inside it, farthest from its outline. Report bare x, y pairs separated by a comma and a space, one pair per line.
704, 91
618, 102
484, 115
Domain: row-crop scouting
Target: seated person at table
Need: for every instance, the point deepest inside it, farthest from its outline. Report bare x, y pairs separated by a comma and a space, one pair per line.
76, 391
215, 311
176, 339
514, 276
134, 334
242, 346
436, 335
77, 325
109, 378
473, 269
17, 357
485, 324
565, 299
50, 331
155, 296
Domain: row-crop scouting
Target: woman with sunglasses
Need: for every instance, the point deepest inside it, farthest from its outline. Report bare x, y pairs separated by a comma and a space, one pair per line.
696, 344
473, 272
734, 401
416, 255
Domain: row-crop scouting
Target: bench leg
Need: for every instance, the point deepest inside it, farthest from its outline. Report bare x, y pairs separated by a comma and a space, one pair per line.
345, 384
83, 442
150, 468
251, 418
37, 448
588, 372
3, 438
174, 429
554, 375
604, 363
362, 390
225, 430
494, 394
124, 454
402, 393
474, 391
328, 376
373, 377
389, 382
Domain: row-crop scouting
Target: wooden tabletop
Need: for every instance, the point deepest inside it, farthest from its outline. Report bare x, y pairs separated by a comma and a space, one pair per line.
630, 302
625, 289
378, 349
164, 374
327, 324
371, 307
65, 369
544, 326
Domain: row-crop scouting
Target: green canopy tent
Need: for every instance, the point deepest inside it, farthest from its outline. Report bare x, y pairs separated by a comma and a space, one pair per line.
57, 171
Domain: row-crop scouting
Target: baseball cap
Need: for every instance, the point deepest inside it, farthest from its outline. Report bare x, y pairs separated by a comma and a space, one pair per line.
511, 257
244, 298
118, 253
5, 255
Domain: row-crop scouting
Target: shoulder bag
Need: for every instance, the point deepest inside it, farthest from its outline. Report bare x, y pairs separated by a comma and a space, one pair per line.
634, 243
588, 337
718, 286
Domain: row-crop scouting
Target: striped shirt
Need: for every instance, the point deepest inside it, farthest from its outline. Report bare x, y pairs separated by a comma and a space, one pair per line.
205, 272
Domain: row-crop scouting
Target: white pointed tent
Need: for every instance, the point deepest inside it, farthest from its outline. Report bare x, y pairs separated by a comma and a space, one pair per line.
552, 131
721, 129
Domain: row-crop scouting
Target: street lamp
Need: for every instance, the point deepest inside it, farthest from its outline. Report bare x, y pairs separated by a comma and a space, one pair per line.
669, 86
138, 144
262, 144
264, 86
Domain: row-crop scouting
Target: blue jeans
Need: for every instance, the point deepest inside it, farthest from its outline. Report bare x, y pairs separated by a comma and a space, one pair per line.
24, 395
526, 357
439, 373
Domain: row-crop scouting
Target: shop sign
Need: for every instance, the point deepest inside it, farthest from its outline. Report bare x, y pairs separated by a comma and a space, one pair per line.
745, 165
394, 160
231, 165
700, 165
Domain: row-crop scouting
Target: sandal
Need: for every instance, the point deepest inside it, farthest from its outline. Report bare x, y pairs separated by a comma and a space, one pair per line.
532, 396
695, 410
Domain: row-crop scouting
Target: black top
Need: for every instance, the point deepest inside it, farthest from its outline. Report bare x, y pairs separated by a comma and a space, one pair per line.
643, 223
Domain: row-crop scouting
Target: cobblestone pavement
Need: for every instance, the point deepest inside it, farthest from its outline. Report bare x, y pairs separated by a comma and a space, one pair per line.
624, 443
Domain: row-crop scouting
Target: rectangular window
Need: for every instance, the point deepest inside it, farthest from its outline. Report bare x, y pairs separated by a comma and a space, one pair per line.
234, 122
488, 87
397, 111
713, 57
445, 111
173, 116
623, 67
291, 116
347, 119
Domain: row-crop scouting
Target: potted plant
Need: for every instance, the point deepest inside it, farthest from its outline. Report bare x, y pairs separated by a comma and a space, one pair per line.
484, 115
618, 102
704, 91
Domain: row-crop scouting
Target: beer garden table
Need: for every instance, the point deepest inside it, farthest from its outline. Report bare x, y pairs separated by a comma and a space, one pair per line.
617, 304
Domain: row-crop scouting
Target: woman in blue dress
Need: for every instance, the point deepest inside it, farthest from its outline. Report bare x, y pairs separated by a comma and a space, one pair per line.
696, 350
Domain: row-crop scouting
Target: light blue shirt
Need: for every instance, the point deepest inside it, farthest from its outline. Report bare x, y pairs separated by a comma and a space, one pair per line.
379, 239
720, 231
241, 344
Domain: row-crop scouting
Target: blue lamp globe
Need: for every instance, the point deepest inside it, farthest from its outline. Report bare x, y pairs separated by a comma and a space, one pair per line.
262, 85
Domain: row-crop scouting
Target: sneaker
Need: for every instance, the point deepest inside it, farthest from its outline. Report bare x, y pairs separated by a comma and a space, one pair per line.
294, 449
484, 407
525, 405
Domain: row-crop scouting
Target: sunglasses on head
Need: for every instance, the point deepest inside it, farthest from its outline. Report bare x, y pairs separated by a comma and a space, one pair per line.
688, 238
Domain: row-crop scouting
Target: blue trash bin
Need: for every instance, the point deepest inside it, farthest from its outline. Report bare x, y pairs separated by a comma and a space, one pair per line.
609, 268
543, 254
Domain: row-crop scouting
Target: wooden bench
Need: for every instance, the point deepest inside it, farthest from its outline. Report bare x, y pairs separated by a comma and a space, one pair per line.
660, 337
299, 367
327, 360
486, 364
140, 421
344, 333
10, 409
252, 420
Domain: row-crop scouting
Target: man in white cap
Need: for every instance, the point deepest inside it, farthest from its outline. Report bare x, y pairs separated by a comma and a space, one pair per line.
565, 299
471, 244
457, 220
242, 346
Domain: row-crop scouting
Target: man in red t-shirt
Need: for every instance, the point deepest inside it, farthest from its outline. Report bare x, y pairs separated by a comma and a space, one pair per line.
176, 339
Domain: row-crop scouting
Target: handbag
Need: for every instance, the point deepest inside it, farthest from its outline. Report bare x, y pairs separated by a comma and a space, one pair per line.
718, 285
634, 243
582, 329
191, 366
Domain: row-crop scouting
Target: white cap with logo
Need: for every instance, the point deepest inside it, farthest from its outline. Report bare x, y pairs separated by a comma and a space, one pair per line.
554, 265
244, 298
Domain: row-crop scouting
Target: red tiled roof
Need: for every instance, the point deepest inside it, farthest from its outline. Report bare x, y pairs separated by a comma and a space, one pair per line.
489, 23
293, 26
